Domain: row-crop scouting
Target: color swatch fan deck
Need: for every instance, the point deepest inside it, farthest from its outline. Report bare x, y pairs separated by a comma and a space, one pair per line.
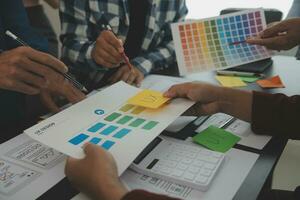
219, 42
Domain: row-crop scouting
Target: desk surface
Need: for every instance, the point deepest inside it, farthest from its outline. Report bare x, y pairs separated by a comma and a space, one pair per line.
289, 70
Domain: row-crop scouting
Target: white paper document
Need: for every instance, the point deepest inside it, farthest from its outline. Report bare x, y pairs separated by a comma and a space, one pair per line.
226, 183
106, 119
28, 168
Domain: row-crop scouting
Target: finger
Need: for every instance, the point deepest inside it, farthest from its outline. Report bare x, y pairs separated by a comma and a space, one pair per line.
76, 95
115, 54
49, 102
103, 62
37, 68
274, 30
179, 90
113, 40
117, 76
22, 87
46, 59
107, 56
139, 79
31, 79
125, 76
271, 43
132, 77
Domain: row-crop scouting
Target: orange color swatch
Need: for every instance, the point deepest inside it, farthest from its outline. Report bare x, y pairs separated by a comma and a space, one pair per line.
273, 82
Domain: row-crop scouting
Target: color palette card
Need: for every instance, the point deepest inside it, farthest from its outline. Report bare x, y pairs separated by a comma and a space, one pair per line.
231, 81
107, 120
207, 44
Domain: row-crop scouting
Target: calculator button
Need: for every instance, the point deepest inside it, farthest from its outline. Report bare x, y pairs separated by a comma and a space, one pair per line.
171, 164
194, 170
201, 179
177, 173
205, 152
209, 166
187, 160
182, 166
191, 155
198, 163
175, 158
206, 172
189, 176
165, 170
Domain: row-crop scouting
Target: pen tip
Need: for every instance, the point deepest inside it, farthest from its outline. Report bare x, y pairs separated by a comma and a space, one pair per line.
84, 89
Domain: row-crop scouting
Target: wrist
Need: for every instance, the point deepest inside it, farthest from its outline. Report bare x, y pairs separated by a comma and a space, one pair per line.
111, 190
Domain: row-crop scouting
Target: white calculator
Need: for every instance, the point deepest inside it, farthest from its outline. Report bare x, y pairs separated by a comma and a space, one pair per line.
180, 162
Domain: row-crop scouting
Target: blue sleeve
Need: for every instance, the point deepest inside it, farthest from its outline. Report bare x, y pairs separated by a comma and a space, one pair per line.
14, 18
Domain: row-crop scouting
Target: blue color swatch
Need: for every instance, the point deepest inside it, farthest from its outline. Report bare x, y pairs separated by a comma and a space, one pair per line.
78, 139
95, 140
96, 127
109, 130
108, 144
121, 133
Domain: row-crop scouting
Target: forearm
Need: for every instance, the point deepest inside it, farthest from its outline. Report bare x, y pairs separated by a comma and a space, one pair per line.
237, 103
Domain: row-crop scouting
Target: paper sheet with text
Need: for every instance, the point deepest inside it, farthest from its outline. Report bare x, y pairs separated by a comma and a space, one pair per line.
106, 119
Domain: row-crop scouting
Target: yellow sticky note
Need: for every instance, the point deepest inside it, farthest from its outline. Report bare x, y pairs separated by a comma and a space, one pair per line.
231, 81
148, 99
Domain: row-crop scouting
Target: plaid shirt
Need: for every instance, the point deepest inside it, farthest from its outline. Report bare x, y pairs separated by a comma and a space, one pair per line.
79, 32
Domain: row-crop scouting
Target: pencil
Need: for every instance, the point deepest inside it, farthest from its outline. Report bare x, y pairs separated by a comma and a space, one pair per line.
65, 75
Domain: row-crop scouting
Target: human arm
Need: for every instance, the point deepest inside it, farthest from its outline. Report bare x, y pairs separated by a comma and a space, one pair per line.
97, 176
270, 114
280, 36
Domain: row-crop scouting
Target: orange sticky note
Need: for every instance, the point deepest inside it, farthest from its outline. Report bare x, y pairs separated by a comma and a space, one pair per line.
273, 82
148, 99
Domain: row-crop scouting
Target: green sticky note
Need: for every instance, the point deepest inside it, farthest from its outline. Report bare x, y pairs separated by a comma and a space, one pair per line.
216, 139
249, 79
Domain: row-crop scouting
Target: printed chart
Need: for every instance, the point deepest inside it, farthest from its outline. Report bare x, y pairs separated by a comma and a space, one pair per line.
108, 120
219, 42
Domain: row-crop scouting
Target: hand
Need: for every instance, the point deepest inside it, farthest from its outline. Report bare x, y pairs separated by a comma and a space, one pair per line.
213, 99
25, 70
108, 49
131, 76
59, 87
96, 174
280, 36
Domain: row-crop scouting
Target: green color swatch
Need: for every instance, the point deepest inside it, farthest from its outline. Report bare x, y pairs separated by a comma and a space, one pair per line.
112, 117
249, 79
138, 110
150, 125
126, 108
137, 122
216, 139
124, 119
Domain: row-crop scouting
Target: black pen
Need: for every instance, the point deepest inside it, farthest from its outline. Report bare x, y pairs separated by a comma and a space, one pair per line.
65, 75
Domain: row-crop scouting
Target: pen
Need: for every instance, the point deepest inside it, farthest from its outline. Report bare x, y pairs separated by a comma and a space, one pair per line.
236, 73
238, 42
65, 75
105, 25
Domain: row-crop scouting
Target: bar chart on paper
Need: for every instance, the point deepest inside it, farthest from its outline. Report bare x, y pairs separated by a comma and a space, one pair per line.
219, 42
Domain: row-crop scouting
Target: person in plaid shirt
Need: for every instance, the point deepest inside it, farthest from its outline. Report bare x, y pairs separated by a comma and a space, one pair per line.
142, 30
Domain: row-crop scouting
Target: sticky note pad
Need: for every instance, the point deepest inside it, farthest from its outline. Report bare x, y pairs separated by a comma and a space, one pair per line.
216, 139
230, 81
148, 99
273, 82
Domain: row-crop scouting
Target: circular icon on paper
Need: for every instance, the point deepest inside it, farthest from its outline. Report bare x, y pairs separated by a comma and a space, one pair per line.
99, 112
